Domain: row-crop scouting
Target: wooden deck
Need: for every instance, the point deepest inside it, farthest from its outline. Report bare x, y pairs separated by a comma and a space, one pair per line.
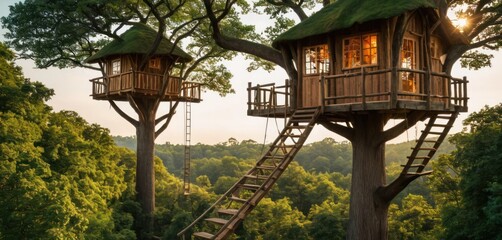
439, 92
142, 84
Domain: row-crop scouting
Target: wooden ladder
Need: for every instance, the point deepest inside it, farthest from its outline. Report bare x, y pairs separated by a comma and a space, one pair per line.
432, 136
223, 217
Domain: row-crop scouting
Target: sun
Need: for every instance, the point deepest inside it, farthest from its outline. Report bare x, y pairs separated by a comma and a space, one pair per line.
461, 23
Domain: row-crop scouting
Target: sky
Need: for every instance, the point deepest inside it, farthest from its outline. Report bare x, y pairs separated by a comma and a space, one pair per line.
216, 119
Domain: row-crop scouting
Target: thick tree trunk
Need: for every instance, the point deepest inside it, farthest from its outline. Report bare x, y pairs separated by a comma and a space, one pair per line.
145, 174
368, 217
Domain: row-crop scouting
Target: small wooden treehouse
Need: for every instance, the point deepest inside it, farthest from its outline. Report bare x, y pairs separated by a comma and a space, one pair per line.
123, 75
354, 60
135, 72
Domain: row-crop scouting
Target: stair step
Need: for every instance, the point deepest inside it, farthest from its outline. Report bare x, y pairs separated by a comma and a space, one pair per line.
436, 133
203, 235
440, 125
265, 167
443, 117
425, 148
220, 221
430, 141
306, 110
248, 186
228, 211
419, 173
420, 157
237, 199
256, 177
414, 165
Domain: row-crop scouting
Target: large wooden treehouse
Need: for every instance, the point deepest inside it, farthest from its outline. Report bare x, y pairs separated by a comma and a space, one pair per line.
357, 66
144, 77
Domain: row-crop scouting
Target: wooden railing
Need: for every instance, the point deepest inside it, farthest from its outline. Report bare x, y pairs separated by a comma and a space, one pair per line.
145, 83
269, 97
371, 87
433, 87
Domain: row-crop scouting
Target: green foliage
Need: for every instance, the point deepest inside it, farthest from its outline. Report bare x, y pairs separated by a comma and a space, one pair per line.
477, 162
61, 178
415, 219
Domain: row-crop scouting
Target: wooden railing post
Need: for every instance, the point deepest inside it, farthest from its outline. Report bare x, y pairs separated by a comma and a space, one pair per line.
363, 91
393, 87
465, 98
428, 79
322, 97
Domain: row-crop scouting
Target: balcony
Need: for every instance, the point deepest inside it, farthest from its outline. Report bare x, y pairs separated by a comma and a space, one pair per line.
143, 84
367, 90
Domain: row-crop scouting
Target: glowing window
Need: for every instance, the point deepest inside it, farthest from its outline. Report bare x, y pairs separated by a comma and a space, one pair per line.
408, 61
154, 63
316, 59
116, 66
354, 46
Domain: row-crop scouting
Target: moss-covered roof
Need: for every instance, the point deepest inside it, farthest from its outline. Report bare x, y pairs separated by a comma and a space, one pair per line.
345, 13
139, 39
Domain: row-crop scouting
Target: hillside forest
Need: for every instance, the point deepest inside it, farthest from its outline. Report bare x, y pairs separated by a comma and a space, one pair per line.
64, 178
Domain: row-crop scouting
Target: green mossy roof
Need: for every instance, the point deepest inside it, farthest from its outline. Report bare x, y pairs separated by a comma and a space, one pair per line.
138, 40
345, 13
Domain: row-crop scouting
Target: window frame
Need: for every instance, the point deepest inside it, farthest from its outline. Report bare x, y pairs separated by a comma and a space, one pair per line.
359, 51
154, 63
116, 66
405, 76
323, 64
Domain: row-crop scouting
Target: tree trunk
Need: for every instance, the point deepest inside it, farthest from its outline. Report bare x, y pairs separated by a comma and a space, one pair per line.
145, 174
368, 217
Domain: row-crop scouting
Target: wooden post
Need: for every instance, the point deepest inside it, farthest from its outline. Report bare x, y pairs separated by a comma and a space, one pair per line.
464, 96
427, 87
249, 97
393, 87
322, 80
363, 91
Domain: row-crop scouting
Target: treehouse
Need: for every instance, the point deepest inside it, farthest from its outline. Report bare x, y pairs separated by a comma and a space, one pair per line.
126, 74
359, 62
352, 56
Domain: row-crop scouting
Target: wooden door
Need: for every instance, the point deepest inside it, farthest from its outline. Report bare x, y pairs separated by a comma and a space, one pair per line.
311, 91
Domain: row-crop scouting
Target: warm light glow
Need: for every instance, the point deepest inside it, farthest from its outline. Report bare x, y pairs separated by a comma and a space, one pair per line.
461, 23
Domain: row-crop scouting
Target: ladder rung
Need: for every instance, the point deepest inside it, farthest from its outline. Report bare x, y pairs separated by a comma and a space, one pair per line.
237, 199
266, 167
414, 165
441, 125
443, 117
306, 110
436, 133
220, 221
248, 186
424, 148
429, 141
204, 235
419, 173
228, 211
420, 157
256, 177
284, 146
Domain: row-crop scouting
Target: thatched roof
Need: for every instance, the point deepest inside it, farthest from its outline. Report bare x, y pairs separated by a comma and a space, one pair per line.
138, 40
345, 13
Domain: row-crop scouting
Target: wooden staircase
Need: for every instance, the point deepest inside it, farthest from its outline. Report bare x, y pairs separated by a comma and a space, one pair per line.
223, 217
432, 136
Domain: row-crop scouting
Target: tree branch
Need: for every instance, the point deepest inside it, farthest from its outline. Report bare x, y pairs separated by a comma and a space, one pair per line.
240, 45
385, 194
343, 131
168, 118
124, 115
409, 121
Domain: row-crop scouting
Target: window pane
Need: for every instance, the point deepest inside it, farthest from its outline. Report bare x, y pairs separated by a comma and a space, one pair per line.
352, 52
116, 66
